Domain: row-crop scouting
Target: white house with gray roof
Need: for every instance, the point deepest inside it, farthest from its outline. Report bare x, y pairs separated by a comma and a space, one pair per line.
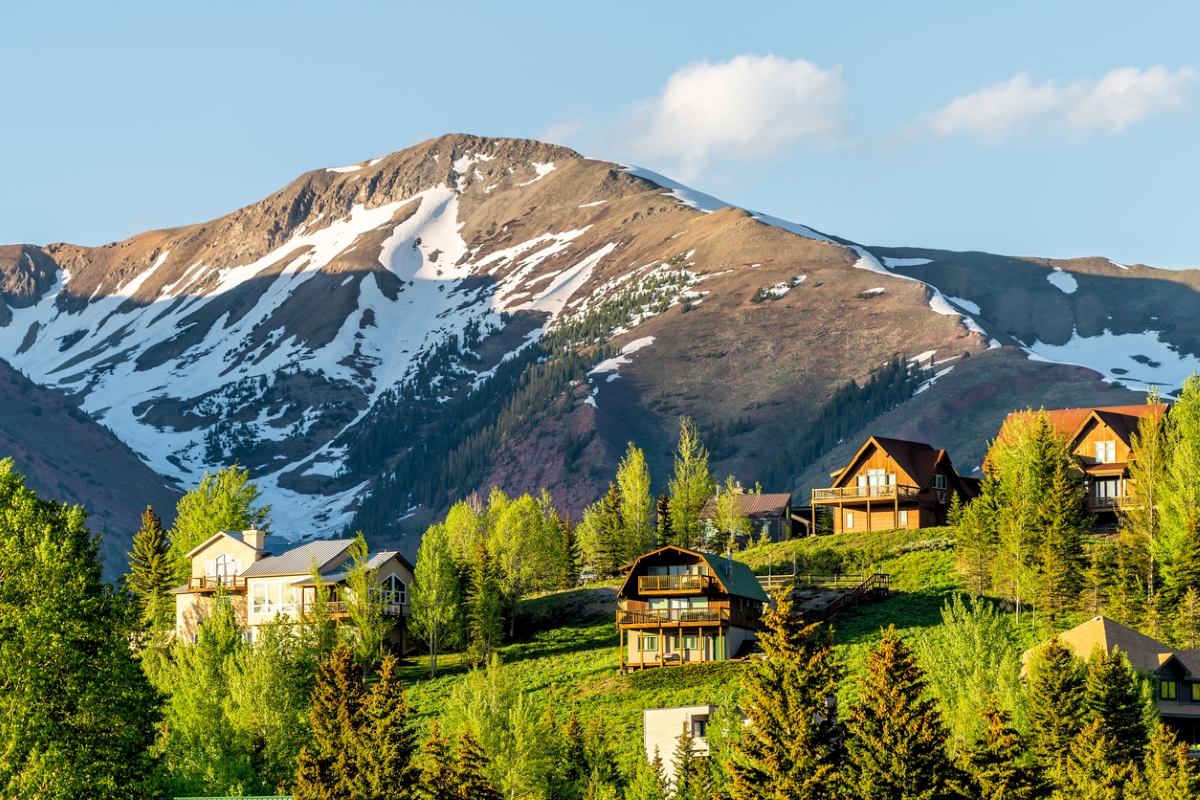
263, 584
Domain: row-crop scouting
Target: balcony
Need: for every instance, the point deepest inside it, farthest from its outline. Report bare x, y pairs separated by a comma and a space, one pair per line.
675, 584
341, 610
657, 617
890, 492
206, 584
1107, 503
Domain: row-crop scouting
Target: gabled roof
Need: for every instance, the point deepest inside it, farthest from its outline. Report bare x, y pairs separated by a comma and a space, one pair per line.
754, 506
735, 578
1143, 652
298, 561
374, 561
234, 535
1123, 420
919, 460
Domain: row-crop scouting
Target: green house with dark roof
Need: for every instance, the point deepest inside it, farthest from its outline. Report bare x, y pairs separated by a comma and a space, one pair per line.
679, 606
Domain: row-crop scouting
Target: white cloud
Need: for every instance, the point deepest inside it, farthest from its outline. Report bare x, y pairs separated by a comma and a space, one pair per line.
748, 109
1119, 99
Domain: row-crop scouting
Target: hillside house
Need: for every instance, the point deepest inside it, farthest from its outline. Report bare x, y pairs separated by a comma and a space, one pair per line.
1176, 673
768, 513
262, 584
1100, 441
893, 483
662, 727
679, 606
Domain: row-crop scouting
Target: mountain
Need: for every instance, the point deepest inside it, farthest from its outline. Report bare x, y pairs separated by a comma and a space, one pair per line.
375, 340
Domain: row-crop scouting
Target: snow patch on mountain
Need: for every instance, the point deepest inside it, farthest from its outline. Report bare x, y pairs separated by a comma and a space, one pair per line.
892, 262
964, 304
1064, 281
1137, 360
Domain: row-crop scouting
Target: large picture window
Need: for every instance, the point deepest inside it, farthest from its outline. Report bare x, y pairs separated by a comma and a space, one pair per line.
395, 592
273, 597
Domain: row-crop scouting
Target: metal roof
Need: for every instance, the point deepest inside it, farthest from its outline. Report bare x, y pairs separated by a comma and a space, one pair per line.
735, 577
375, 561
299, 561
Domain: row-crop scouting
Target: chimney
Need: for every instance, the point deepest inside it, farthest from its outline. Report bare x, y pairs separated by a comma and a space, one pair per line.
255, 538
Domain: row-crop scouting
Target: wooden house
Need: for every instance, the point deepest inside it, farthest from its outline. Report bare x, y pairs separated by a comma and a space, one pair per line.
768, 513
1176, 673
1100, 440
893, 483
261, 584
679, 606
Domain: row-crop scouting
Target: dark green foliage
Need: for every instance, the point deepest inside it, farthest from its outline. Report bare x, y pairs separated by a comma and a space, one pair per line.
437, 767
1055, 705
1094, 769
77, 715
896, 742
1167, 773
848, 411
662, 509
695, 676
384, 741
997, 765
151, 574
691, 770
1113, 697
327, 768
791, 750
572, 567
470, 772
1061, 546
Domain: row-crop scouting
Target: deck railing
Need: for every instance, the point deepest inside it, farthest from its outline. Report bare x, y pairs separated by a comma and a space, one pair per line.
888, 492
340, 609
649, 584
1107, 503
670, 616
210, 583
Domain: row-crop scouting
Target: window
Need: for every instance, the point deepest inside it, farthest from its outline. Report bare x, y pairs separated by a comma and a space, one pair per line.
875, 477
1167, 690
849, 519
658, 602
1106, 452
650, 643
273, 597
394, 591
939, 481
697, 602
691, 642
699, 727
904, 519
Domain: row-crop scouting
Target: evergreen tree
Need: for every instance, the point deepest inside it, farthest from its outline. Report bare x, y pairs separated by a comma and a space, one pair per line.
384, 741
436, 595
1128, 597
437, 767
996, 763
574, 771
1141, 518
603, 533
77, 714
1180, 497
1167, 773
691, 487
152, 575
571, 565
470, 772
327, 768
637, 503
896, 742
1099, 578
224, 501
790, 750
484, 604
648, 781
1187, 621
1113, 698
663, 511
1094, 769
1060, 551
689, 780
1055, 705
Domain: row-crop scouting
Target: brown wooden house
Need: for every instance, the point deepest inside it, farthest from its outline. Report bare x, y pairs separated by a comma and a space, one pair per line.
1100, 441
768, 513
679, 606
893, 483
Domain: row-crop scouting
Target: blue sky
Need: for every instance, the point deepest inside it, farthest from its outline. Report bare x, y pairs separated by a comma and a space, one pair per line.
1020, 128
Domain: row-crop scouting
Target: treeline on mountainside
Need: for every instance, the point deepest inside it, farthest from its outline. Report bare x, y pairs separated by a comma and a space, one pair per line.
1025, 537
851, 409
435, 436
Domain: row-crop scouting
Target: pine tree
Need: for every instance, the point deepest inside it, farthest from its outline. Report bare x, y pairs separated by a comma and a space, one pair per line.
1167, 772
484, 603
1187, 621
1060, 551
663, 511
1094, 769
637, 503
689, 768
996, 763
437, 767
976, 538
790, 750
327, 768
571, 567
384, 740
609, 532
1055, 706
574, 768
470, 772
691, 487
896, 741
1113, 698
1141, 518
152, 574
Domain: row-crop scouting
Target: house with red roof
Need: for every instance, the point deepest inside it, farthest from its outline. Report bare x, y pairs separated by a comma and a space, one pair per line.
893, 483
1100, 439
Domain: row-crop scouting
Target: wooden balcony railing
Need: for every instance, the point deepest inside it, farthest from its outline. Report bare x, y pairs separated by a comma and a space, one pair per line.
210, 583
342, 609
674, 616
889, 492
674, 584
1107, 503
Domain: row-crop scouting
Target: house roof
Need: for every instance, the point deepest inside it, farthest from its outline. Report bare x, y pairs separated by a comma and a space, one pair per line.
1144, 653
919, 460
234, 535
1123, 420
754, 506
735, 577
374, 561
299, 560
